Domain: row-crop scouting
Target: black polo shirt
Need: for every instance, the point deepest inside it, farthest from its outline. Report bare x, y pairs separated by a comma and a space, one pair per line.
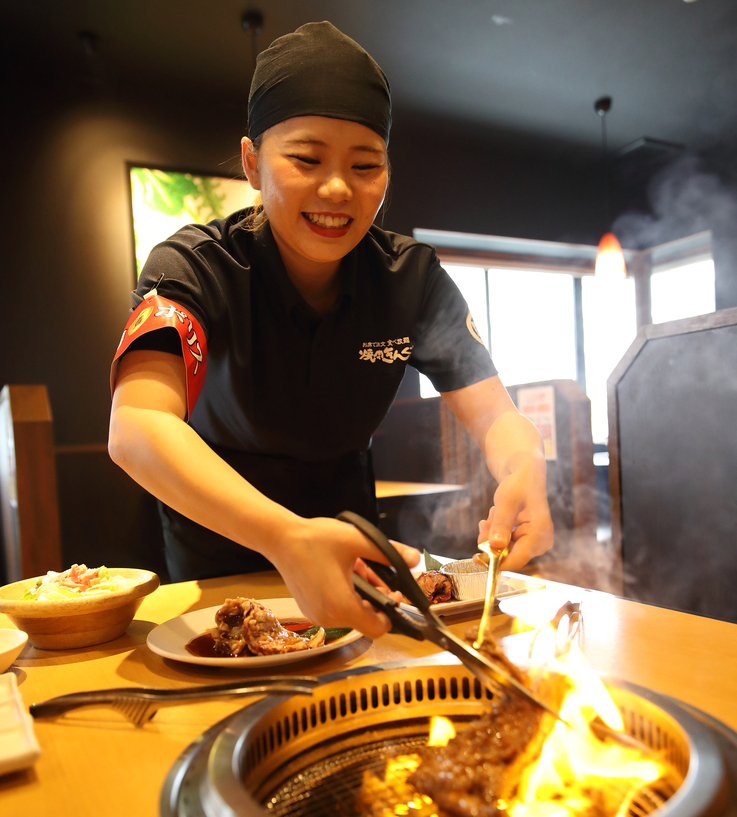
291, 399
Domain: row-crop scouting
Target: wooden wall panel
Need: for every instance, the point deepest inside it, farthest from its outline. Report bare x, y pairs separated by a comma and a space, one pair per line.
28, 487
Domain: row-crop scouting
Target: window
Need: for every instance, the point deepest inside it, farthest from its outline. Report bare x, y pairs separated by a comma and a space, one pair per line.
609, 327
545, 317
534, 343
682, 291
533, 336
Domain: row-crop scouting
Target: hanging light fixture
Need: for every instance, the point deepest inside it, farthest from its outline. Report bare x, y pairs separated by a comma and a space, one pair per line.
609, 256
253, 23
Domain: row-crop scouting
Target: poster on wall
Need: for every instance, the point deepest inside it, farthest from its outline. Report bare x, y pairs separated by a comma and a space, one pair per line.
537, 403
163, 200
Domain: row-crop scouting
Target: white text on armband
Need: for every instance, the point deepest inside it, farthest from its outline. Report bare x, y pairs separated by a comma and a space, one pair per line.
192, 341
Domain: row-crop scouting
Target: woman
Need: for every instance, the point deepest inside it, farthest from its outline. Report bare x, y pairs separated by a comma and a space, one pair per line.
266, 348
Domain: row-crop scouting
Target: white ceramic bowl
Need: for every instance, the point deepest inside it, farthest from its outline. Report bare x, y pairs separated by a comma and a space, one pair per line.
63, 624
468, 579
11, 644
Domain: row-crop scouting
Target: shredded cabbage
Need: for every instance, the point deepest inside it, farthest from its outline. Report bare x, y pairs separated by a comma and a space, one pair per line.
77, 581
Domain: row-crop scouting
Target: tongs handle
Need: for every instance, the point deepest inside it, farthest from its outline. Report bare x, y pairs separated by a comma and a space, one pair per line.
398, 576
171, 697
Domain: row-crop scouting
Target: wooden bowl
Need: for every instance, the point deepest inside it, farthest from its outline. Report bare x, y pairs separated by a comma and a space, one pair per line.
64, 624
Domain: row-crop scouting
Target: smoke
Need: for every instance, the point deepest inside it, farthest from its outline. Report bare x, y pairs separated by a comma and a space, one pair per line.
684, 198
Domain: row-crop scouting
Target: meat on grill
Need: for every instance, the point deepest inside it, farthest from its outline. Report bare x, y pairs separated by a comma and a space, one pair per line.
435, 585
466, 777
245, 626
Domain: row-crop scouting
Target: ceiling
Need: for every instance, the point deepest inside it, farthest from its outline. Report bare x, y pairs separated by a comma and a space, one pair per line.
531, 68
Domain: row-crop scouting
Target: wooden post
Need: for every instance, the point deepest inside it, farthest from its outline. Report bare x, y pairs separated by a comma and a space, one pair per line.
28, 496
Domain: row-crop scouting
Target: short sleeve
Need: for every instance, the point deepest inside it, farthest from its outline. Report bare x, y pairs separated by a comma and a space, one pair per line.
183, 274
448, 348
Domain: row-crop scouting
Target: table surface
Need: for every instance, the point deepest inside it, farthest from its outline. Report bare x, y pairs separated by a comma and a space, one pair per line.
94, 762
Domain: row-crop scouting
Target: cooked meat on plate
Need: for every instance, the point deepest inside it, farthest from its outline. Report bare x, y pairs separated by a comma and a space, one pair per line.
245, 626
436, 586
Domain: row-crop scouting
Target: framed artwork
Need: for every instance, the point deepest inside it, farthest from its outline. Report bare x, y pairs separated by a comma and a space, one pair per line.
163, 200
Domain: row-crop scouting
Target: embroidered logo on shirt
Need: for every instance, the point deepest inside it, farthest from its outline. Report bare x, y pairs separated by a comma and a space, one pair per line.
385, 351
471, 326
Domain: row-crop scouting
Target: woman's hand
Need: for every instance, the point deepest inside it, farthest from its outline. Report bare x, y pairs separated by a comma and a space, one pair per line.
513, 450
317, 561
519, 517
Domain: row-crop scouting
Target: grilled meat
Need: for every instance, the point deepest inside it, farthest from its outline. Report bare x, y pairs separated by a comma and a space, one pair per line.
244, 626
435, 585
465, 778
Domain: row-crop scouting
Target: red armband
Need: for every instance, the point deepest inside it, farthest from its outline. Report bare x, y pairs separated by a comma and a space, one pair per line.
155, 312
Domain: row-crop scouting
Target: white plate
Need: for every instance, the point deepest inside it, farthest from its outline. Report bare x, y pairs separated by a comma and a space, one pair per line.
508, 586
170, 638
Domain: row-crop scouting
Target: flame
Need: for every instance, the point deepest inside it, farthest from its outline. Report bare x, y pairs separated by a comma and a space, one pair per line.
576, 772
441, 731
393, 796
610, 258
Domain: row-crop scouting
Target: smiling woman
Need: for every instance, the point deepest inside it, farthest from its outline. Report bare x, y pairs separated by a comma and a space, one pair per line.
320, 178
265, 348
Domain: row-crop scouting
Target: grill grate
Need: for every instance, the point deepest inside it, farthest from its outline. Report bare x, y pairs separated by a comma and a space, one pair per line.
330, 787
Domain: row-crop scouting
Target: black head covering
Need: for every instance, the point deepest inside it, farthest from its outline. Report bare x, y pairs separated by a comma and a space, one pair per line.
318, 71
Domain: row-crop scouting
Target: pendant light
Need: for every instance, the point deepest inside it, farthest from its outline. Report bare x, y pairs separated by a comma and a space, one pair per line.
609, 256
253, 23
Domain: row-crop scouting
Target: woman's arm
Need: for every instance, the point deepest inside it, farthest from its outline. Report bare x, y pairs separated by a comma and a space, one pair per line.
513, 450
151, 442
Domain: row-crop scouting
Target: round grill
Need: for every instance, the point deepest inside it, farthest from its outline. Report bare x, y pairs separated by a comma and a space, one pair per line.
306, 755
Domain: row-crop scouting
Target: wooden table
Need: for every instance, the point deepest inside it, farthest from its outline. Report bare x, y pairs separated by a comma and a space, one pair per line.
96, 763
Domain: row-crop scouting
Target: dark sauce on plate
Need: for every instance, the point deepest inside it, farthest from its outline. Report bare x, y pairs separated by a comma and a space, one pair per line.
203, 646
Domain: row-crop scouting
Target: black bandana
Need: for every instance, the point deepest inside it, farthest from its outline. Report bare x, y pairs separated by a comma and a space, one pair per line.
318, 71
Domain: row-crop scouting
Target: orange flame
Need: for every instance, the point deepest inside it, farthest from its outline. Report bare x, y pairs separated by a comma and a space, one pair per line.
575, 771
441, 731
610, 258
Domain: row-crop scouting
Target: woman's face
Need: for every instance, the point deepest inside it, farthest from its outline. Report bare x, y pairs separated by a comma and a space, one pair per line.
322, 182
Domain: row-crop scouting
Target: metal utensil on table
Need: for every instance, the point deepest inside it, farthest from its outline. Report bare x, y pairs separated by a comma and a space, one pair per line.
140, 704
491, 674
496, 557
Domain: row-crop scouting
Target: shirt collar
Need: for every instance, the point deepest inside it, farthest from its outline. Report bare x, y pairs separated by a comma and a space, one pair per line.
273, 275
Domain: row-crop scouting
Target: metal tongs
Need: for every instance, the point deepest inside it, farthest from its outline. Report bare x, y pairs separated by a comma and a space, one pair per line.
140, 704
491, 674
496, 557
